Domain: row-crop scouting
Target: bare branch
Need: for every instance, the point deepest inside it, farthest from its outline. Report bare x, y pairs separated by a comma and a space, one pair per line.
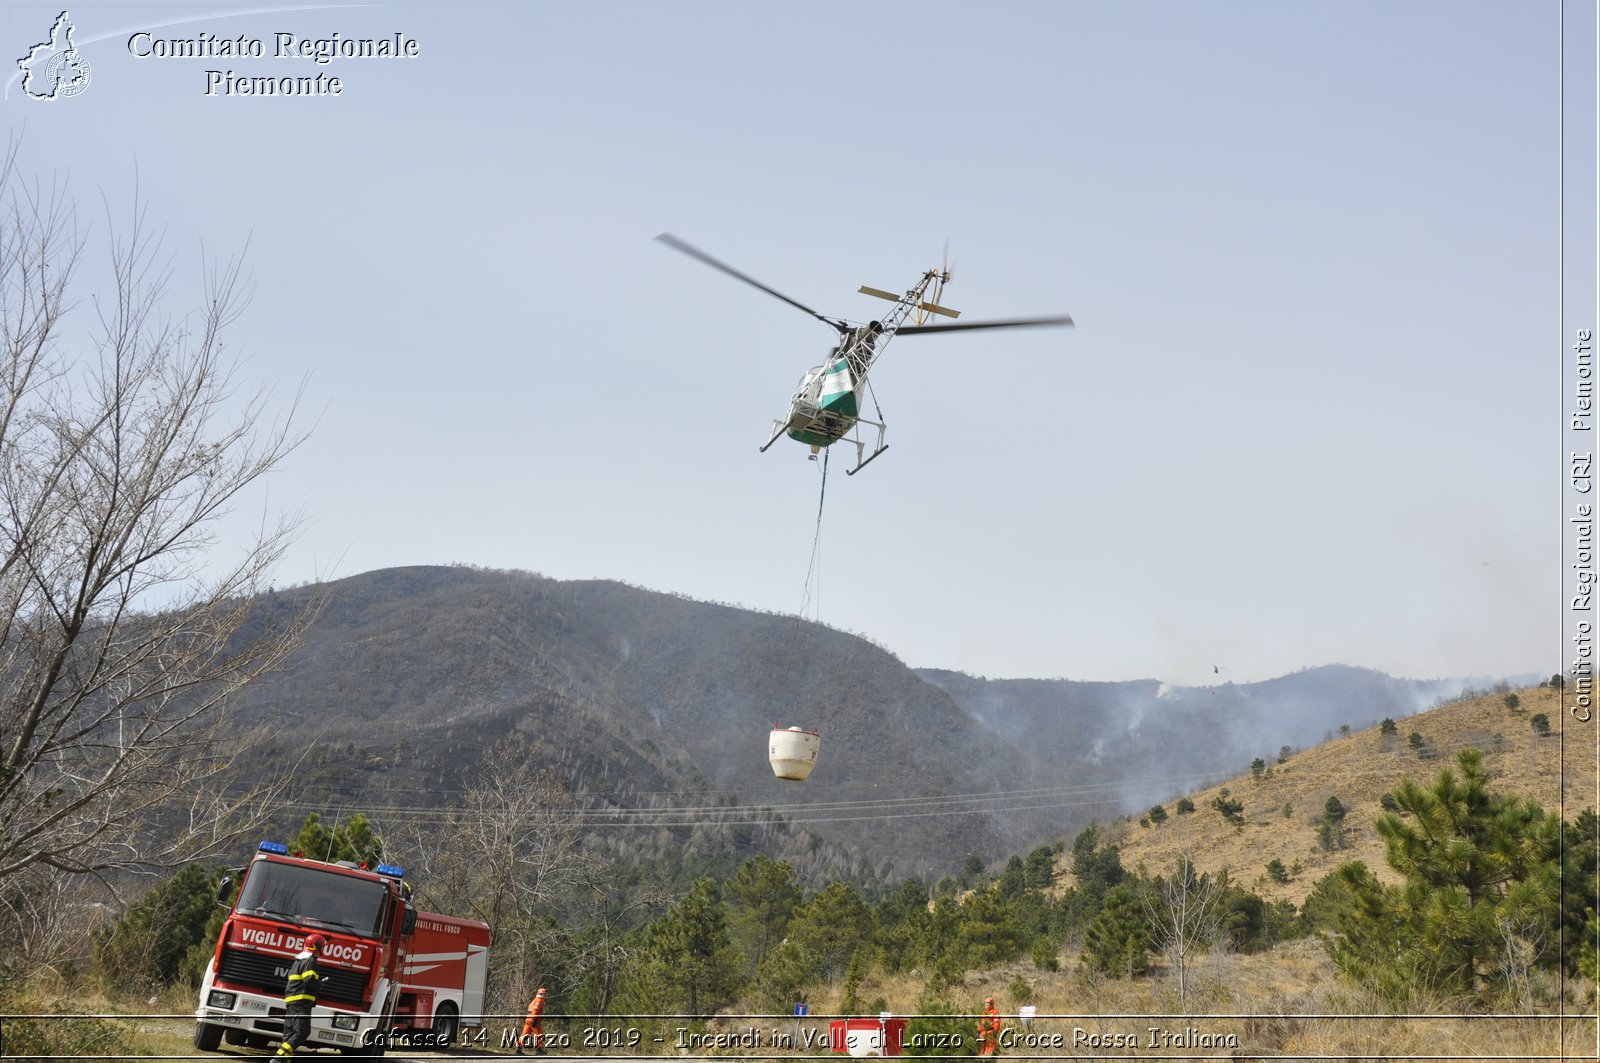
1184, 914
122, 640
504, 854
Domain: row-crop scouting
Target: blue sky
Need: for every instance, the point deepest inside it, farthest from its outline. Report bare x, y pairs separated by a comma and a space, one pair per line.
1308, 414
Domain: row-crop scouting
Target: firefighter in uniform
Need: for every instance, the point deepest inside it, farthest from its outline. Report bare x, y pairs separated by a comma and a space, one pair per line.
989, 1029
533, 1026
300, 995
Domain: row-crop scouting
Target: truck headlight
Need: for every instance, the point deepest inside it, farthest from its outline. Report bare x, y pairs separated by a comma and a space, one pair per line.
345, 1022
221, 1000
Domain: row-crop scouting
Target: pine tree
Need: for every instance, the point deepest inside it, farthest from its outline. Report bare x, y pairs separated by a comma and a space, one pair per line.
1118, 940
1097, 869
941, 946
1330, 832
1011, 882
902, 921
1482, 872
829, 927
147, 946
689, 964
1232, 810
850, 1004
990, 933
764, 895
352, 840
1580, 881
1039, 869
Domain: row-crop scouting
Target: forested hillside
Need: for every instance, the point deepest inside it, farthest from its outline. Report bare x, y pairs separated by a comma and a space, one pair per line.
583, 766
411, 677
1455, 880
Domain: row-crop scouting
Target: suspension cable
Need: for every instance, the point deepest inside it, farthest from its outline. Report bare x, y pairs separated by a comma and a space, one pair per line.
813, 576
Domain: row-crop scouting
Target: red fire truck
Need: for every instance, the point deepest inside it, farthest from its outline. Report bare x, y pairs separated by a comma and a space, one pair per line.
390, 973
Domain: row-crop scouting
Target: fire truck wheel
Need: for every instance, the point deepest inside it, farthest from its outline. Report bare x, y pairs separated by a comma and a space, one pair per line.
373, 1050
207, 1036
446, 1024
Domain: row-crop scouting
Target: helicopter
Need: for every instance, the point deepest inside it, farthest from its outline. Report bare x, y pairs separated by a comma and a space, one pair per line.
827, 405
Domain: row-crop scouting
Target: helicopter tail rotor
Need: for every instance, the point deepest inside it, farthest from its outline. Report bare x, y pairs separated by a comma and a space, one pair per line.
933, 283
936, 284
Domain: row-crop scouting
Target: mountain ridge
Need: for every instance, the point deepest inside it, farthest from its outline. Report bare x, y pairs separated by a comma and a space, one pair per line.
413, 674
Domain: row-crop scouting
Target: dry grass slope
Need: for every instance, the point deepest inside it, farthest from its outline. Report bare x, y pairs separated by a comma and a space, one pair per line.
1287, 1003
1282, 809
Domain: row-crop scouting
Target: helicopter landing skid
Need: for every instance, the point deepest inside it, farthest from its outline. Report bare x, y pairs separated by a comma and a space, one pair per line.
861, 446
863, 459
863, 464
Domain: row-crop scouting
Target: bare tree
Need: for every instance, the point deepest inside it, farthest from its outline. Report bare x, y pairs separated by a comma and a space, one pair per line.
504, 854
1184, 916
1522, 947
49, 919
601, 958
124, 439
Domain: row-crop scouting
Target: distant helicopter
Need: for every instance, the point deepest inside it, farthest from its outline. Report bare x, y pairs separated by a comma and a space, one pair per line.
827, 405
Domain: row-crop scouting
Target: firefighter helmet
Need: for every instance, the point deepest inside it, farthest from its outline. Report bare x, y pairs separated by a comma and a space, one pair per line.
316, 941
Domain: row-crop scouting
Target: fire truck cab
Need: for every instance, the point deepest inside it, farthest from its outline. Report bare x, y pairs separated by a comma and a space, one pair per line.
388, 970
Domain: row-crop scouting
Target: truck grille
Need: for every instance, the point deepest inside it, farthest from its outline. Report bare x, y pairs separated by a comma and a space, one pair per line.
267, 973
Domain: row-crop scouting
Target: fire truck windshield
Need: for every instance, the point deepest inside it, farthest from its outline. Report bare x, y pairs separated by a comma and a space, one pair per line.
309, 896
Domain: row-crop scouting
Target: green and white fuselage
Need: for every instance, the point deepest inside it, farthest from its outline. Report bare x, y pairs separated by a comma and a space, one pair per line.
825, 406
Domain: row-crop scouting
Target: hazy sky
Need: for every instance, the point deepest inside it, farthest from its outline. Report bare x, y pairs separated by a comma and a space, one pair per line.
1309, 412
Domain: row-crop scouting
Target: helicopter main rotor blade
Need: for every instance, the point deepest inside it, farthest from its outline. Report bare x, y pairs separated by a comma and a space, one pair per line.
1021, 322
695, 252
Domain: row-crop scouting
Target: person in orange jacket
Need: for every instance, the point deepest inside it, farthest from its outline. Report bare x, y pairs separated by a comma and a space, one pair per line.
533, 1026
989, 1029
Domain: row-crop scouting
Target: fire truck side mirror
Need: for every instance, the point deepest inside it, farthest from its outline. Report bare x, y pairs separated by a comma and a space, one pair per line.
408, 921
225, 892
